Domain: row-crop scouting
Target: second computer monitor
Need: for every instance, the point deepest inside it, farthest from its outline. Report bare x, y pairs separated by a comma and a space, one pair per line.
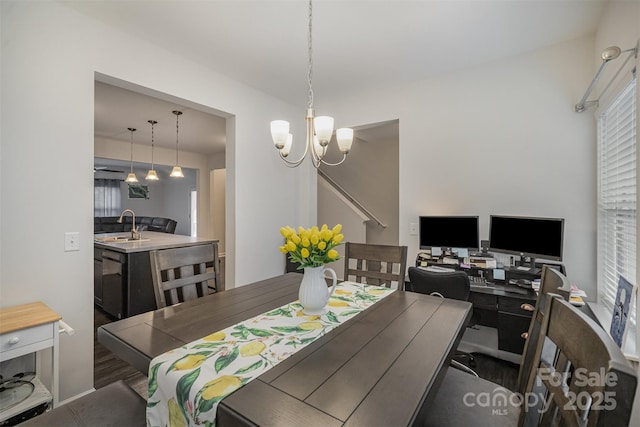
449, 232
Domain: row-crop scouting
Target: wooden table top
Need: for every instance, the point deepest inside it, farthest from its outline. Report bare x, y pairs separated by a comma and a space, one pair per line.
378, 368
26, 316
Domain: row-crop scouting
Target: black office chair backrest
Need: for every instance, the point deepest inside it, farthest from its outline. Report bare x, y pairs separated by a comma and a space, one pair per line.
454, 284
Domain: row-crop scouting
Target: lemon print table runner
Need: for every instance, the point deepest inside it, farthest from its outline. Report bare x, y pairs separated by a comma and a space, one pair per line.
186, 384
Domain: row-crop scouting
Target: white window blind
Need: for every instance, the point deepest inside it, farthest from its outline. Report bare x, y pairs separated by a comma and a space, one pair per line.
617, 194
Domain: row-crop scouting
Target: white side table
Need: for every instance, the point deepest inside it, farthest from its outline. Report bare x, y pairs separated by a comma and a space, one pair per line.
26, 329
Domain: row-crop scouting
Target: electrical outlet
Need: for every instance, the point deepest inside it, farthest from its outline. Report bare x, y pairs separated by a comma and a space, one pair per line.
413, 228
72, 241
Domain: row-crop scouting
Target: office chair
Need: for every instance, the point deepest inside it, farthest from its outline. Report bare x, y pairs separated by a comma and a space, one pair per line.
454, 285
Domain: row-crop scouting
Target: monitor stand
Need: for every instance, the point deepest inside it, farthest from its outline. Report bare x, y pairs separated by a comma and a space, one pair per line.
529, 267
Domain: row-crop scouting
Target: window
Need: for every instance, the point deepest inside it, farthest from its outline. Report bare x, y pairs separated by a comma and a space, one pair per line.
106, 197
617, 136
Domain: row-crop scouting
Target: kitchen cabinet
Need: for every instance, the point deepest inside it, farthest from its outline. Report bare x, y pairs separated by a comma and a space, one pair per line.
122, 270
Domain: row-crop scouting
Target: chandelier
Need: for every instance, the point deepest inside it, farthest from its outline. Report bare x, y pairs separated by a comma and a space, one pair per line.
319, 129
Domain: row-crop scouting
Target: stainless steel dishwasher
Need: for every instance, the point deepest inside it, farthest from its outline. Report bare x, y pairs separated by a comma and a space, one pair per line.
113, 282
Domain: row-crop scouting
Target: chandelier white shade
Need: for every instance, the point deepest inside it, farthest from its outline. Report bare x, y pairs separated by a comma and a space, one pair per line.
131, 178
176, 172
152, 174
319, 129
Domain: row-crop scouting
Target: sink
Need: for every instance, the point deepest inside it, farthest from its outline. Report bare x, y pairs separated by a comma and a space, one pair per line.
118, 239
110, 239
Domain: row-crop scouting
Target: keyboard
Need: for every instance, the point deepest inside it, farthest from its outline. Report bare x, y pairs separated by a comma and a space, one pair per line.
439, 269
477, 281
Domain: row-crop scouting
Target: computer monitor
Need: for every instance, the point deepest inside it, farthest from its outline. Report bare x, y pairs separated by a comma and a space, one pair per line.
527, 237
449, 232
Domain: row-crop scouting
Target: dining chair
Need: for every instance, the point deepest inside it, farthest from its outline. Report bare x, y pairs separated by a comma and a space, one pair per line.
454, 285
185, 273
551, 281
568, 388
378, 265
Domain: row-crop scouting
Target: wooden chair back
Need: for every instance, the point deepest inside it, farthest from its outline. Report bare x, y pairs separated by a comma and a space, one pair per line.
182, 274
588, 382
552, 281
378, 265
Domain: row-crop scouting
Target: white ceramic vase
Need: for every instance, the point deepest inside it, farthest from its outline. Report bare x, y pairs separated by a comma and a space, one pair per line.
314, 293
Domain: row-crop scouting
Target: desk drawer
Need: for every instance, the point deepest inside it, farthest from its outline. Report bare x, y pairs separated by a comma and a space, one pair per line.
510, 329
24, 337
483, 301
514, 306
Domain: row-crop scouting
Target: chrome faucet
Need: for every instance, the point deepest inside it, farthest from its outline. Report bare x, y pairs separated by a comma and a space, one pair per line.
135, 235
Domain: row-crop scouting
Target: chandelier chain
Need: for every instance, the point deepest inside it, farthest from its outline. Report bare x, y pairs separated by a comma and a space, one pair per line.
310, 65
177, 119
152, 123
131, 130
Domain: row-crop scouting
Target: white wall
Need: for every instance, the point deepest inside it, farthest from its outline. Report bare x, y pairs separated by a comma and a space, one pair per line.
218, 184
370, 174
50, 55
333, 208
501, 138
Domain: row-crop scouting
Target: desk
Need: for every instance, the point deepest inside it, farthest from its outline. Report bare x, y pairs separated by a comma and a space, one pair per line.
379, 368
498, 314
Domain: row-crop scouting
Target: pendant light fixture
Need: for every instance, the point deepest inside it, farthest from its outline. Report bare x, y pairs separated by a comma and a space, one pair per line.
176, 172
152, 175
131, 178
319, 129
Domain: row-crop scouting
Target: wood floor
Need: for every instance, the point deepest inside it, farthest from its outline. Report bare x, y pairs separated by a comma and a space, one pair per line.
107, 368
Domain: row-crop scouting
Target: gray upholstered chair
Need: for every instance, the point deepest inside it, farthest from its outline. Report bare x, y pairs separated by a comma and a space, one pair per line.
181, 274
378, 265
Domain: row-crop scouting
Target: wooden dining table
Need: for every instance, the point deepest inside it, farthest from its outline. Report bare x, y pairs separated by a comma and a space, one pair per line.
382, 367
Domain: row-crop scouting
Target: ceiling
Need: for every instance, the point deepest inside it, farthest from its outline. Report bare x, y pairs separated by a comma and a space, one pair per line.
117, 109
358, 45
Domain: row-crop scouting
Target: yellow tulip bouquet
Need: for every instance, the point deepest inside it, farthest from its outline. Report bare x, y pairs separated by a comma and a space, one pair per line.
311, 247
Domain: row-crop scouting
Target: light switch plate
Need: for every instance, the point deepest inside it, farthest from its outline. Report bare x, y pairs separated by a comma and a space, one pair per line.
72, 241
413, 228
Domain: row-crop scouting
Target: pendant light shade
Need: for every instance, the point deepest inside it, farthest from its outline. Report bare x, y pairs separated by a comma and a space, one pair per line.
152, 175
131, 178
176, 172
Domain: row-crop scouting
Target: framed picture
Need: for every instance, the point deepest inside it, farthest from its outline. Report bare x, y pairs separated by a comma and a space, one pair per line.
621, 310
137, 191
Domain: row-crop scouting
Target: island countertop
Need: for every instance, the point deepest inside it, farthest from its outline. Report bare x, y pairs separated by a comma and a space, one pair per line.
151, 240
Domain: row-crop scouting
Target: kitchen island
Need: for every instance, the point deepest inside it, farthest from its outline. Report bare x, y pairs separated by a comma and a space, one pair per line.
122, 270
